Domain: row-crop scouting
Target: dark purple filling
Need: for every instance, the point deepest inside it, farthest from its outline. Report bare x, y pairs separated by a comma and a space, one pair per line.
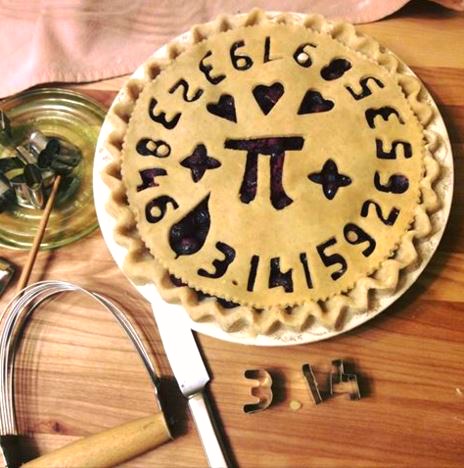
224, 108
384, 112
188, 235
267, 96
266, 145
199, 162
277, 278
148, 177
225, 304
275, 147
330, 179
335, 69
313, 102
279, 198
397, 183
177, 282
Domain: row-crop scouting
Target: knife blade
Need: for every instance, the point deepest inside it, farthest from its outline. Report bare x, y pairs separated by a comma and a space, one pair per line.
190, 372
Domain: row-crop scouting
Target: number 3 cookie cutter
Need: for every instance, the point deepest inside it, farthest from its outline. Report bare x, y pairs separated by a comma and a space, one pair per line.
261, 389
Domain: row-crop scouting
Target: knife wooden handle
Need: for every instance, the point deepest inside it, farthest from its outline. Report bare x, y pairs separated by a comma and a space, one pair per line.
110, 447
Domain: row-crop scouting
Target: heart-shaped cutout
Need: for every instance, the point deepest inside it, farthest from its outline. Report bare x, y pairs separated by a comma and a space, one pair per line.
268, 96
224, 108
314, 102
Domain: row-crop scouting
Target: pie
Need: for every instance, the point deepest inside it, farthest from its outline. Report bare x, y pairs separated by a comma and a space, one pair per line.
270, 169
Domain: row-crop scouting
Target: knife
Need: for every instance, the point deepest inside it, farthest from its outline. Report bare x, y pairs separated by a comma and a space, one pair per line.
190, 372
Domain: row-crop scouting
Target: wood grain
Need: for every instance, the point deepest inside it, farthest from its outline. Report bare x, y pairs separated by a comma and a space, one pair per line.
77, 374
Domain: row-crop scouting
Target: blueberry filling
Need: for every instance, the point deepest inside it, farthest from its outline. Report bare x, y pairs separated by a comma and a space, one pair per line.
335, 69
224, 303
384, 112
148, 177
199, 162
177, 282
274, 147
314, 102
277, 278
397, 183
267, 96
188, 235
224, 108
330, 179
227, 304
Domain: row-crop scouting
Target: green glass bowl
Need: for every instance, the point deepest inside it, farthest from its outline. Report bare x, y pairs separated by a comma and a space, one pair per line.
75, 119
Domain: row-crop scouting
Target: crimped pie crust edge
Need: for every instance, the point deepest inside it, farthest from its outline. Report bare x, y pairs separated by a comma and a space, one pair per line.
142, 267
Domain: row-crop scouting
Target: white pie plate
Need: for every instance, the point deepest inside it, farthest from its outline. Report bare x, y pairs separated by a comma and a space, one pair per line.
379, 301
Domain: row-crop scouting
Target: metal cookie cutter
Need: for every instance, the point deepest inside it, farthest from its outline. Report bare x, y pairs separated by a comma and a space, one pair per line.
7, 194
31, 185
261, 390
5, 126
312, 383
341, 382
7, 271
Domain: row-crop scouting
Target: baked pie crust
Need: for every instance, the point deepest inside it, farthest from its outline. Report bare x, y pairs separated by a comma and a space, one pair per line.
271, 169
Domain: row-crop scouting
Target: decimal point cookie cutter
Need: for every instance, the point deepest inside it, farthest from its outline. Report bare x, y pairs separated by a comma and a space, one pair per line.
261, 390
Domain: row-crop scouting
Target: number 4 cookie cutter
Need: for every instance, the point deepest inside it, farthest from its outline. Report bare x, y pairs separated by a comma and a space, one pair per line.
340, 382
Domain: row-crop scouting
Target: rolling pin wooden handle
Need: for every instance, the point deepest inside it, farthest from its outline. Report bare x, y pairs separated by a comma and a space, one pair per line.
108, 448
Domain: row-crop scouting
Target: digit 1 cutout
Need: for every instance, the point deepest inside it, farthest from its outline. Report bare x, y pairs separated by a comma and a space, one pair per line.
253, 271
307, 272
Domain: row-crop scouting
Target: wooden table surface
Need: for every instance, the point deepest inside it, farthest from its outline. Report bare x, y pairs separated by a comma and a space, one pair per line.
77, 374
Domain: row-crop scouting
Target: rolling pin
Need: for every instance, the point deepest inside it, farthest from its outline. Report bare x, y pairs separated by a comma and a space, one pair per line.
110, 447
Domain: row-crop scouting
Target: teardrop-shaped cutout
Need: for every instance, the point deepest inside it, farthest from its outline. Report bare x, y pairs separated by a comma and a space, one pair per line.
187, 236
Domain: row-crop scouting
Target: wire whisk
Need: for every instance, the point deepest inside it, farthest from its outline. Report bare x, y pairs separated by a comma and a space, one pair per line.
12, 322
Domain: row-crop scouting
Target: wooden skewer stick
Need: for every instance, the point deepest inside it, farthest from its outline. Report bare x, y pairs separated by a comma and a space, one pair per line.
26, 273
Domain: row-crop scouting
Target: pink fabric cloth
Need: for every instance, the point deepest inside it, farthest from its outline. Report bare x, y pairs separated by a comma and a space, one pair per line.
84, 40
